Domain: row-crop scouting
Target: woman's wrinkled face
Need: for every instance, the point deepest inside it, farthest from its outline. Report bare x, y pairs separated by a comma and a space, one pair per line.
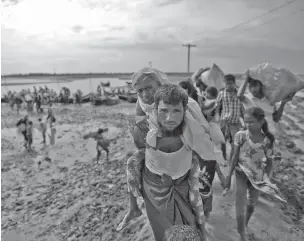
252, 123
255, 88
146, 90
169, 117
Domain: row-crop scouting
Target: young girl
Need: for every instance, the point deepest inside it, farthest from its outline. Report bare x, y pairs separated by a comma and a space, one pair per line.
252, 160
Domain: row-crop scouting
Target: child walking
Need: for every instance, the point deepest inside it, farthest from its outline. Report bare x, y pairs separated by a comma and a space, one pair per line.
230, 110
209, 168
252, 160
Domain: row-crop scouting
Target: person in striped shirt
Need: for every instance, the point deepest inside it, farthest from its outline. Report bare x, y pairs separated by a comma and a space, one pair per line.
230, 111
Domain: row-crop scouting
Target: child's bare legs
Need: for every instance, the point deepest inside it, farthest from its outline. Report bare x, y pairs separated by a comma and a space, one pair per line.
98, 155
242, 185
30, 141
107, 151
240, 202
134, 212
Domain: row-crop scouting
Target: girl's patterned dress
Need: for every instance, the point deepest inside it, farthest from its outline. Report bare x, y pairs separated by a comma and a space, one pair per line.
256, 159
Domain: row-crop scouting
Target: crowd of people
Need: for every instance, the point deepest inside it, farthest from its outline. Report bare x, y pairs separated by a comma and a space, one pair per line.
36, 98
180, 129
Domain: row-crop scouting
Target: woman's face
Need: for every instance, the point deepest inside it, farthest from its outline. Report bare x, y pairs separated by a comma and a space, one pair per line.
146, 90
255, 88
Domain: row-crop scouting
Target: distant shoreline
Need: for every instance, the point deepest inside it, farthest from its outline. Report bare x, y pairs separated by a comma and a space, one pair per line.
83, 75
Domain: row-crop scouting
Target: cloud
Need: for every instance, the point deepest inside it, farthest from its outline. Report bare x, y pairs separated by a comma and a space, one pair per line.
143, 30
77, 28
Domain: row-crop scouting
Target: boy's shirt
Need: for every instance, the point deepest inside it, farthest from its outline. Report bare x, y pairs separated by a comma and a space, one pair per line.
230, 106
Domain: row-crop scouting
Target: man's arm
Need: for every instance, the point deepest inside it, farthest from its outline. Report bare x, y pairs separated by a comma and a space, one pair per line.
242, 89
220, 174
220, 103
196, 74
20, 122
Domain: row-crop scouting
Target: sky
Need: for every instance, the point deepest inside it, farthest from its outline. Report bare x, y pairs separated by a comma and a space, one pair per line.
78, 36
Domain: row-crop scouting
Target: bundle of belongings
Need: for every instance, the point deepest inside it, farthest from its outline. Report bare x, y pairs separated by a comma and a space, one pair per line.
278, 83
214, 77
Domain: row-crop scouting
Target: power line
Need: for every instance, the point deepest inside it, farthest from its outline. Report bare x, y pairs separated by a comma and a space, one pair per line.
273, 20
261, 15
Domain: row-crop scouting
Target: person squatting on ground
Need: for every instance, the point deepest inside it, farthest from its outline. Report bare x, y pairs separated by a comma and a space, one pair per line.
102, 144
252, 160
230, 111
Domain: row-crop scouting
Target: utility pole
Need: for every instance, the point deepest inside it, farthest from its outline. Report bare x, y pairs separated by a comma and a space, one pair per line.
189, 46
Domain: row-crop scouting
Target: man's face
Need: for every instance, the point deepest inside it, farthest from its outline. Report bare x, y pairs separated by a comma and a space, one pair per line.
169, 117
230, 85
146, 90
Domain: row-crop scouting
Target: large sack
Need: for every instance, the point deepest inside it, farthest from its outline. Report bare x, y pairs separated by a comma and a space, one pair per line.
278, 82
214, 77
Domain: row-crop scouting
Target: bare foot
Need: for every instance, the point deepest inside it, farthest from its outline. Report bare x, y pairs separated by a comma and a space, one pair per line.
129, 216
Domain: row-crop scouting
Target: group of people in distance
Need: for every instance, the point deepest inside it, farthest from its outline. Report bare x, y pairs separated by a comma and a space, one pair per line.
25, 127
175, 162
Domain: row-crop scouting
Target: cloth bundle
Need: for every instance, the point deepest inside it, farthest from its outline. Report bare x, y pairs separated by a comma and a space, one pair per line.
214, 77
278, 83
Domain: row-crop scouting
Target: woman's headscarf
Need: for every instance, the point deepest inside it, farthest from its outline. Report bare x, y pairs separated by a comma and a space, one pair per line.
144, 73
